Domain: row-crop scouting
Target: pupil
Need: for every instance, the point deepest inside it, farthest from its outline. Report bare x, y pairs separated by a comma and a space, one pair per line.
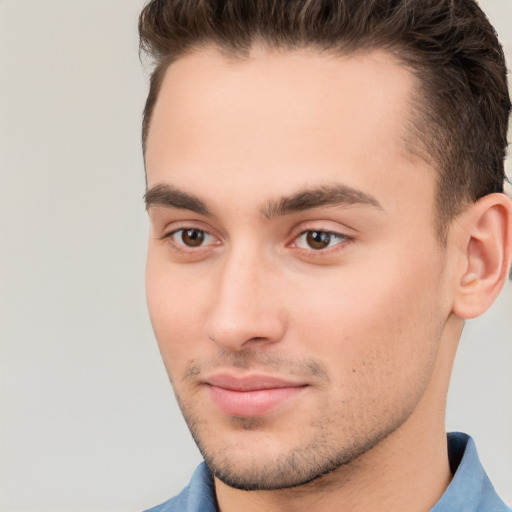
318, 239
192, 237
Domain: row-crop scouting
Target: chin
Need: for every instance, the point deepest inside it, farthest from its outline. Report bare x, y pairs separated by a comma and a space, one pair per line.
257, 464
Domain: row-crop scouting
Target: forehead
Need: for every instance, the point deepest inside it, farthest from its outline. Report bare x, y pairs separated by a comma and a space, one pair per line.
285, 117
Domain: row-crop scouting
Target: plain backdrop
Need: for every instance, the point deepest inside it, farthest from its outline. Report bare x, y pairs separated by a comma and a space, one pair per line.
88, 420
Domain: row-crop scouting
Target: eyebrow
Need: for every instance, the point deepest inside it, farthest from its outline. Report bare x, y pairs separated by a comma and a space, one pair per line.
307, 199
326, 195
171, 197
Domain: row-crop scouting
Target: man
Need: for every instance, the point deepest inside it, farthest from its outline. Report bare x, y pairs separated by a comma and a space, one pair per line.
325, 190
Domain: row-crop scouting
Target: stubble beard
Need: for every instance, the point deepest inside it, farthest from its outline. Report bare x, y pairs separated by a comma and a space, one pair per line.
333, 439
309, 463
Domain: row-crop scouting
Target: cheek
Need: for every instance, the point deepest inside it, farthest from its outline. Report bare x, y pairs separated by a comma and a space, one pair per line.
377, 325
174, 305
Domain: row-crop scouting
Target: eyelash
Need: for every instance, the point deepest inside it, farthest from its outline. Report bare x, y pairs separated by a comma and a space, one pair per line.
182, 248
344, 240
324, 233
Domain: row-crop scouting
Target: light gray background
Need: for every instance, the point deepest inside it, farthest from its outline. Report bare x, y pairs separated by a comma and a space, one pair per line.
87, 420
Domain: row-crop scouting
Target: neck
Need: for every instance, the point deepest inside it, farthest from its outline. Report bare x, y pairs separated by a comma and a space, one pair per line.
409, 470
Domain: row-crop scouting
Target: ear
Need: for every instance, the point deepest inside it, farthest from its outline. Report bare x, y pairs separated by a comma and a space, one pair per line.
485, 241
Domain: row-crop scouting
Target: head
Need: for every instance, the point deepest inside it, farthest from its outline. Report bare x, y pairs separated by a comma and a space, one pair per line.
323, 182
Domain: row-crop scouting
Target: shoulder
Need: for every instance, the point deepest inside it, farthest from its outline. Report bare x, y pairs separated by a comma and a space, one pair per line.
198, 496
179, 502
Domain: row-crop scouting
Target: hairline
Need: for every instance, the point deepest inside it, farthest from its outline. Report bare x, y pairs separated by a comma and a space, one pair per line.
415, 144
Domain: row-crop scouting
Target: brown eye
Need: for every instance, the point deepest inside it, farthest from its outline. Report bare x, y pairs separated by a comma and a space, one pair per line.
318, 239
192, 237
192, 241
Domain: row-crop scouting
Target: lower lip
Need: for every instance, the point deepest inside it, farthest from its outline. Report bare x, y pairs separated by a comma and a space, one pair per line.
246, 404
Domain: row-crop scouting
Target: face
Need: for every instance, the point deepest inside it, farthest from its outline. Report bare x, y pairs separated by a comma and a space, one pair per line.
294, 279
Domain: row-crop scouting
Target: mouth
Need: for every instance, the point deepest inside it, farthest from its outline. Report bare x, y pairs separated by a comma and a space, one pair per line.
251, 395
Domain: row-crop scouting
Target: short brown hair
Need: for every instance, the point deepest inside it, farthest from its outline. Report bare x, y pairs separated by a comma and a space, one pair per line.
464, 104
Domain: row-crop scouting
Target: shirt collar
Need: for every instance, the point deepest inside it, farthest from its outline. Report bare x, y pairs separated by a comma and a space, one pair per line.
470, 489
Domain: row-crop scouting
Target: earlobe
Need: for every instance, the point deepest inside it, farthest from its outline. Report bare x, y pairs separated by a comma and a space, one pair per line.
486, 242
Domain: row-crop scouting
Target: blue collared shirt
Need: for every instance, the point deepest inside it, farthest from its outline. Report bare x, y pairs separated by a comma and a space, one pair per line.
469, 491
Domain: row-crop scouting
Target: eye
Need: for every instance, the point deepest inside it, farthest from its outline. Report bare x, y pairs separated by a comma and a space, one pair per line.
191, 237
318, 240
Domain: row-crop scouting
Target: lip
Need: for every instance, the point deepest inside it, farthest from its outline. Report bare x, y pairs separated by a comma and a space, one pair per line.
250, 395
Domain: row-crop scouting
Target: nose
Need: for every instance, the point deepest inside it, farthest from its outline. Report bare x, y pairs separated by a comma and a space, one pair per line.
245, 311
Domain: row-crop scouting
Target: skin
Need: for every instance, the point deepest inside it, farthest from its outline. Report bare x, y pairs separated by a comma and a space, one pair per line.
367, 325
